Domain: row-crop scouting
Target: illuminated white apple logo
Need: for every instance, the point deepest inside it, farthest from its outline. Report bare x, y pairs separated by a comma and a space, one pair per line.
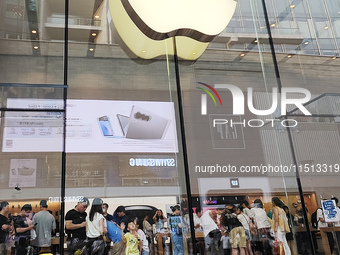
148, 26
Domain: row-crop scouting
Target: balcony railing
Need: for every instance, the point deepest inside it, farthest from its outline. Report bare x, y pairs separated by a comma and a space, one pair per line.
74, 21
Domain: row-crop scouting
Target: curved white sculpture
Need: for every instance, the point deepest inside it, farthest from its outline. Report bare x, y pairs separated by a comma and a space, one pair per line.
147, 27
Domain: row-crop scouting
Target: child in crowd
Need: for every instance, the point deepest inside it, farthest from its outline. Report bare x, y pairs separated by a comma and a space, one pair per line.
131, 238
226, 243
145, 246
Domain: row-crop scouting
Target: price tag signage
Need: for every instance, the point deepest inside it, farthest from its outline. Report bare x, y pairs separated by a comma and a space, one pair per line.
234, 183
330, 211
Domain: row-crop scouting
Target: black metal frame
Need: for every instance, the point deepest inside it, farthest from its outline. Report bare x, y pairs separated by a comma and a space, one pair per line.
290, 139
63, 110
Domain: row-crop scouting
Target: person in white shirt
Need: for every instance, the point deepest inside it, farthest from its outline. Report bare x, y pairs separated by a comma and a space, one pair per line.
244, 219
226, 243
197, 220
263, 226
212, 234
95, 227
198, 228
246, 209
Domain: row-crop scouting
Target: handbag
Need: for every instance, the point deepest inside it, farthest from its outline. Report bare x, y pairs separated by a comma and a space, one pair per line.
105, 239
289, 236
278, 248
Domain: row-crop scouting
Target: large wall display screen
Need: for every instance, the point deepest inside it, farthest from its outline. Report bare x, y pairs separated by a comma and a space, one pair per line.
93, 126
32, 131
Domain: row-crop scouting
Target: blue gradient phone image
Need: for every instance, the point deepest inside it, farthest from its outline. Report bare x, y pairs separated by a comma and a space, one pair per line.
105, 126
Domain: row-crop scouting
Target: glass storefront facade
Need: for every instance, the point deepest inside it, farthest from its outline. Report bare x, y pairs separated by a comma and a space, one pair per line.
150, 134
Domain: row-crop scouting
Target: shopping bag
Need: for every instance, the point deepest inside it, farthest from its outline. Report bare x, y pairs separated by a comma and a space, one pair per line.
278, 248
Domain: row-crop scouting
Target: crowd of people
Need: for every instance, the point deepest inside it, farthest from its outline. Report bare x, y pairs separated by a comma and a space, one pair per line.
30, 235
244, 230
250, 229
100, 233
234, 229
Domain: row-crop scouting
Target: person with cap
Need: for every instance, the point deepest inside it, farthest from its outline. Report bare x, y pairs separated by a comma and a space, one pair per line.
96, 228
22, 229
44, 224
75, 225
5, 226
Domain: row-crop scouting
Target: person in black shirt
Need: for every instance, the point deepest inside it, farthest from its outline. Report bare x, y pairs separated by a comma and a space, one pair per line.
119, 216
107, 216
5, 226
235, 229
75, 226
22, 229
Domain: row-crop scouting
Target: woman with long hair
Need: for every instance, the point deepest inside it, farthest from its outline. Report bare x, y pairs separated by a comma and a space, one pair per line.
160, 219
245, 220
96, 228
280, 223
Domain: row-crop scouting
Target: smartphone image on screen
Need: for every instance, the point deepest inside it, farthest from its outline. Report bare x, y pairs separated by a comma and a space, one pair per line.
105, 126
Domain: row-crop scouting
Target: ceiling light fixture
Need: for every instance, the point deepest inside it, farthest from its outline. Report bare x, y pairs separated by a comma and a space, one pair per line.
272, 25
94, 34
35, 47
91, 49
242, 55
96, 16
326, 27
34, 31
333, 57
306, 43
292, 6
289, 56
